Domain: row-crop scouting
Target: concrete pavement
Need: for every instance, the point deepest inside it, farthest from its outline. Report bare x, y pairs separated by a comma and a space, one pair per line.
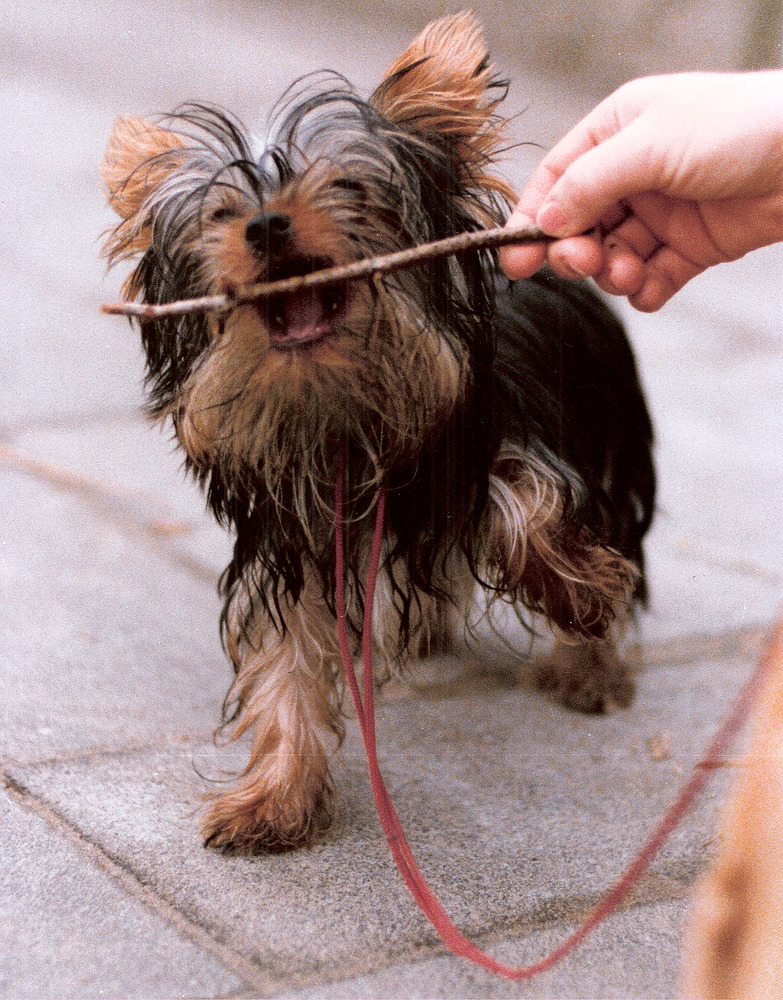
521, 813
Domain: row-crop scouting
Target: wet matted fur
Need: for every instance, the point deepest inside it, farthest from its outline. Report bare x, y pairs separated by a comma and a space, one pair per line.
504, 421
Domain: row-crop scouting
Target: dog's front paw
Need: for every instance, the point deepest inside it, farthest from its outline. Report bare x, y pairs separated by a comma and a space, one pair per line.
588, 677
244, 822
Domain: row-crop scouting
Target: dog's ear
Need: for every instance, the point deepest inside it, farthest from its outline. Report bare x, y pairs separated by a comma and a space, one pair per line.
443, 87
139, 157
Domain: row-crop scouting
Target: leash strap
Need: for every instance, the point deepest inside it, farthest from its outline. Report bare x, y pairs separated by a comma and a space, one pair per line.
400, 849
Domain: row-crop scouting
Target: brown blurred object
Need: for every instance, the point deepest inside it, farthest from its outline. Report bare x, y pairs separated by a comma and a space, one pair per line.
734, 945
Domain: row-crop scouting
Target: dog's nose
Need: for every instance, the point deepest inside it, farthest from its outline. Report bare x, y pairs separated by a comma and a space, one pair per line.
267, 233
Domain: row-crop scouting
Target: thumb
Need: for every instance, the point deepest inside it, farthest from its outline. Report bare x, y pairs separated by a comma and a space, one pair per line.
616, 168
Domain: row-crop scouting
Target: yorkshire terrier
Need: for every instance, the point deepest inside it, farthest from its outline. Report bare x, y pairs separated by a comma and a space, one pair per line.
505, 421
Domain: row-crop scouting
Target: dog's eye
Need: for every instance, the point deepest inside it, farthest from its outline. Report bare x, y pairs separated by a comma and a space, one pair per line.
222, 213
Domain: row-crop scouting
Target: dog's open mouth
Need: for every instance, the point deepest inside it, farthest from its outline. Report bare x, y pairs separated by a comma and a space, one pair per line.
306, 317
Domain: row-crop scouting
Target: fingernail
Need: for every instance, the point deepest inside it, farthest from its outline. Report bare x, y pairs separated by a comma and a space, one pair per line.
550, 218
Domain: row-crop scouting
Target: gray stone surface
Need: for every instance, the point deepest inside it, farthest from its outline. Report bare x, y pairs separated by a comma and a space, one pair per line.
514, 807
105, 642
70, 930
112, 674
711, 362
634, 954
135, 465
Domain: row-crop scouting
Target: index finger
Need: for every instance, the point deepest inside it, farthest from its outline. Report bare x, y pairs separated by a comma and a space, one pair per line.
600, 124
596, 127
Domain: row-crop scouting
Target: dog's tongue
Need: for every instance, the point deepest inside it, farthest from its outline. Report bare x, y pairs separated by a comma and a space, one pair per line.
304, 315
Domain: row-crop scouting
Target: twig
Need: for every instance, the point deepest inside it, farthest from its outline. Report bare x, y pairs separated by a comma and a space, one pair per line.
483, 239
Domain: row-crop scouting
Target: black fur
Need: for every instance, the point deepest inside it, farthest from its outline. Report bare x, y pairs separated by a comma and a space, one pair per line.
566, 381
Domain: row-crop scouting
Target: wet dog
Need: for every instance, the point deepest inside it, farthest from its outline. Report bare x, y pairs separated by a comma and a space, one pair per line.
504, 421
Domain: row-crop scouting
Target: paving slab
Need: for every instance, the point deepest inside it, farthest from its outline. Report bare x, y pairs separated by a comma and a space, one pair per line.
712, 363
104, 641
58, 354
132, 468
634, 954
71, 930
512, 804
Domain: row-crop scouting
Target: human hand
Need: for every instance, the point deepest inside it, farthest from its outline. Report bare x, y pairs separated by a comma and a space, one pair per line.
665, 178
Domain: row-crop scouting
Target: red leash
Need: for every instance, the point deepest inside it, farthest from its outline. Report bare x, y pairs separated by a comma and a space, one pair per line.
454, 940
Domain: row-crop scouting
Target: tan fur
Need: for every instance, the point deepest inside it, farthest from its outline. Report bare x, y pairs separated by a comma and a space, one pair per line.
316, 236
250, 407
577, 584
582, 588
230, 256
287, 689
287, 698
734, 946
233, 409
429, 624
135, 164
587, 676
439, 84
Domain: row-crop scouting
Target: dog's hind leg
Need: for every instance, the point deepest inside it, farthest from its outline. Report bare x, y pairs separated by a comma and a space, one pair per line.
551, 566
588, 676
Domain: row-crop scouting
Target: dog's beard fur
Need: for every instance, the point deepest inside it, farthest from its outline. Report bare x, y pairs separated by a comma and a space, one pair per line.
440, 385
386, 382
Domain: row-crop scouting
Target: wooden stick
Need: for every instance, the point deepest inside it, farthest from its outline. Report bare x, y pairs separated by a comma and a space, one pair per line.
483, 239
